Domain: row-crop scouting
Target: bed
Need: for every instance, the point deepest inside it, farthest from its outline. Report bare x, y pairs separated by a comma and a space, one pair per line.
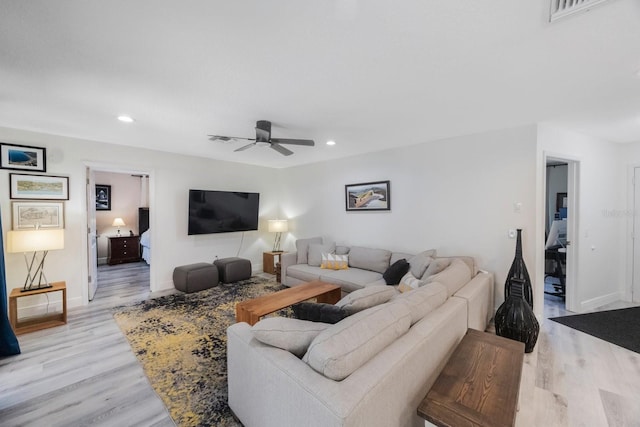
145, 234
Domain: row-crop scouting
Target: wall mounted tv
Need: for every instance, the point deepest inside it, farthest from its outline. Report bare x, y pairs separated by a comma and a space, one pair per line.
222, 211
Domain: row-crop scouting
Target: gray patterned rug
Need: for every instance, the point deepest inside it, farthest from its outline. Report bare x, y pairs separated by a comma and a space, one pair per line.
181, 342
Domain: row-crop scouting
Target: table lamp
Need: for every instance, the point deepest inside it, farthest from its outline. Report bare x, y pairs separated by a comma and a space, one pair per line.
277, 226
35, 241
118, 222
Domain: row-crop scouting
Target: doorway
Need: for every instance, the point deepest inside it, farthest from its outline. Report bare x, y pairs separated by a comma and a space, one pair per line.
560, 225
115, 222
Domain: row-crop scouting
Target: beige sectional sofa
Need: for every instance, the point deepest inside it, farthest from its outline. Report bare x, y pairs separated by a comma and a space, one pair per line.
370, 369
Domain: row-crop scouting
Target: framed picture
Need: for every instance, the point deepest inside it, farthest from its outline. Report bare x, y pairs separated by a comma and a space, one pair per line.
30, 215
368, 196
103, 197
23, 157
41, 187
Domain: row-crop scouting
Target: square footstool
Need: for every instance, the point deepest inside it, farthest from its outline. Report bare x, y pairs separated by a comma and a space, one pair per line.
233, 269
195, 277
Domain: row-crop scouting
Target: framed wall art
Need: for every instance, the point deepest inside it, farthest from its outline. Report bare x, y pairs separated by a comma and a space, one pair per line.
23, 157
41, 187
103, 197
30, 215
368, 196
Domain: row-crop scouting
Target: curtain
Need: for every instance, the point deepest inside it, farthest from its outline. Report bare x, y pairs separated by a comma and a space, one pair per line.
8, 341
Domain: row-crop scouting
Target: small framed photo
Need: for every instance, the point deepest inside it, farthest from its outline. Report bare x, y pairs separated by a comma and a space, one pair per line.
30, 215
368, 196
23, 157
41, 187
103, 197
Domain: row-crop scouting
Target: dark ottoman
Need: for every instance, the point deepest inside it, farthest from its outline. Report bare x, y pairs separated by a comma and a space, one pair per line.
233, 269
195, 277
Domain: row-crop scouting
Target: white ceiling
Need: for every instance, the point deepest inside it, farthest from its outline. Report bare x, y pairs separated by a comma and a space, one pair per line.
370, 74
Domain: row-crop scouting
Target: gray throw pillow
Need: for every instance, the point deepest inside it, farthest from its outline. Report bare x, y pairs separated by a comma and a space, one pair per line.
302, 247
420, 262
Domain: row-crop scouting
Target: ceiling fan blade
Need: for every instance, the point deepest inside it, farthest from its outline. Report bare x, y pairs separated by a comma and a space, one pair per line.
307, 142
245, 147
280, 149
227, 138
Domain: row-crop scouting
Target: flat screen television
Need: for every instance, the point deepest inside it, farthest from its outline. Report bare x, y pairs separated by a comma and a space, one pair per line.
222, 211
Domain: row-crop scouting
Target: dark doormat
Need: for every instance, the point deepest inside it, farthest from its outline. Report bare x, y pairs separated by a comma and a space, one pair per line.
620, 327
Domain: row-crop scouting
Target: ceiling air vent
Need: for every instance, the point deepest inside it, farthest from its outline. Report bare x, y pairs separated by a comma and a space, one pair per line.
563, 8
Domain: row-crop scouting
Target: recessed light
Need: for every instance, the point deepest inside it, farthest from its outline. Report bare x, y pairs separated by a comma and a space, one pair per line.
125, 119
331, 143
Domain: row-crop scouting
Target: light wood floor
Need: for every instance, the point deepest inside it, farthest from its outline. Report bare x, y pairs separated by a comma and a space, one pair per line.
84, 373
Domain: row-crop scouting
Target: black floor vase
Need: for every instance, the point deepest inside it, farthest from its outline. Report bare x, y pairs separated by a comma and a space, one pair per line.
515, 319
519, 271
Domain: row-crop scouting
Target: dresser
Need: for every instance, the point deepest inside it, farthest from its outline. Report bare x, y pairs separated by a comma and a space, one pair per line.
123, 249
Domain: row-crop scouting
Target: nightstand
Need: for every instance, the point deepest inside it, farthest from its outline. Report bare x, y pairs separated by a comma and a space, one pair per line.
123, 249
269, 260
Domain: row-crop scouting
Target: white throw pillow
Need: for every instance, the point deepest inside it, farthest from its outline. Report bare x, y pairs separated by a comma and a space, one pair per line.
335, 262
409, 282
344, 347
366, 297
316, 250
293, 335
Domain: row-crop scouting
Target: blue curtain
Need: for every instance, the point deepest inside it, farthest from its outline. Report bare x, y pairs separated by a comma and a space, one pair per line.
8, 341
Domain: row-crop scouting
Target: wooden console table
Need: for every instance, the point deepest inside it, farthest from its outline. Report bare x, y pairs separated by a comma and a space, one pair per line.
479, 385
40, 322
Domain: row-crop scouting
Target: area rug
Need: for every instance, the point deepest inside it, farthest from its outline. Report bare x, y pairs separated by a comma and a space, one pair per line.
620, 327
181, 342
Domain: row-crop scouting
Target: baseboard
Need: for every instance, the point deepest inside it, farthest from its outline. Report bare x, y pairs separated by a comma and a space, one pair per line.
102, 261
600, 301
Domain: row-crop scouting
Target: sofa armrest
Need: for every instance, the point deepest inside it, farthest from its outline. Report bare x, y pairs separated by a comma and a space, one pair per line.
287, 259
478, 294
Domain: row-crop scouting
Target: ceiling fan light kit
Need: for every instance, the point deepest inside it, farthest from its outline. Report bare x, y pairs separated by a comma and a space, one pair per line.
263, 139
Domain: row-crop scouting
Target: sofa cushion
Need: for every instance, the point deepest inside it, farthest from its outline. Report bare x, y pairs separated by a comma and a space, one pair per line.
453, 277
409, 282
342, 348
394, 273
435, 267
316, 250
334, 262
369, 259
420, 262
352, 279
302, 248
319, 312
342, 250
423, 300
304, 272
365, 298
293, 335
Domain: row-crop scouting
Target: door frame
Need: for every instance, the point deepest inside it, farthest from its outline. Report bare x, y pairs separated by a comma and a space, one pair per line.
122, 169
632, 287
573, 228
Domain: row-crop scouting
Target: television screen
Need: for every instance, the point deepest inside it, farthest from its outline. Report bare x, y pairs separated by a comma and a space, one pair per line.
222, 211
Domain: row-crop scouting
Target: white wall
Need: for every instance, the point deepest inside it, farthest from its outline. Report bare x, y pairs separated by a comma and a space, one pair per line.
455, 195
172, 176
630, 158
600, 244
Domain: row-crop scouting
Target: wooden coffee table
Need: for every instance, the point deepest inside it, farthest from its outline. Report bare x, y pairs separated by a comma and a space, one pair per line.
251, 310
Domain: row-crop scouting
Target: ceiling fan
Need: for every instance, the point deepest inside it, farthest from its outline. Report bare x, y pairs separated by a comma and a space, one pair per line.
263, 139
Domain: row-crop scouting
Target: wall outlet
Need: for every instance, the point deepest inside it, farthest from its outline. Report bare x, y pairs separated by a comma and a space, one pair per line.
512, 233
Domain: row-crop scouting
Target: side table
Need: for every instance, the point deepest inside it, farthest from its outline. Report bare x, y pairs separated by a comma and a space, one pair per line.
269, 260
41, 322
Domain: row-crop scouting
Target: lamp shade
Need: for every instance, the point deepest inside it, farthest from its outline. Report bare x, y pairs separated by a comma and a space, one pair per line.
278, 226
35, 240
118, 222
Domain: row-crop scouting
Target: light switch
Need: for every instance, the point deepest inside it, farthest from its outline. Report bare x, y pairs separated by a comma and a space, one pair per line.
512, 233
